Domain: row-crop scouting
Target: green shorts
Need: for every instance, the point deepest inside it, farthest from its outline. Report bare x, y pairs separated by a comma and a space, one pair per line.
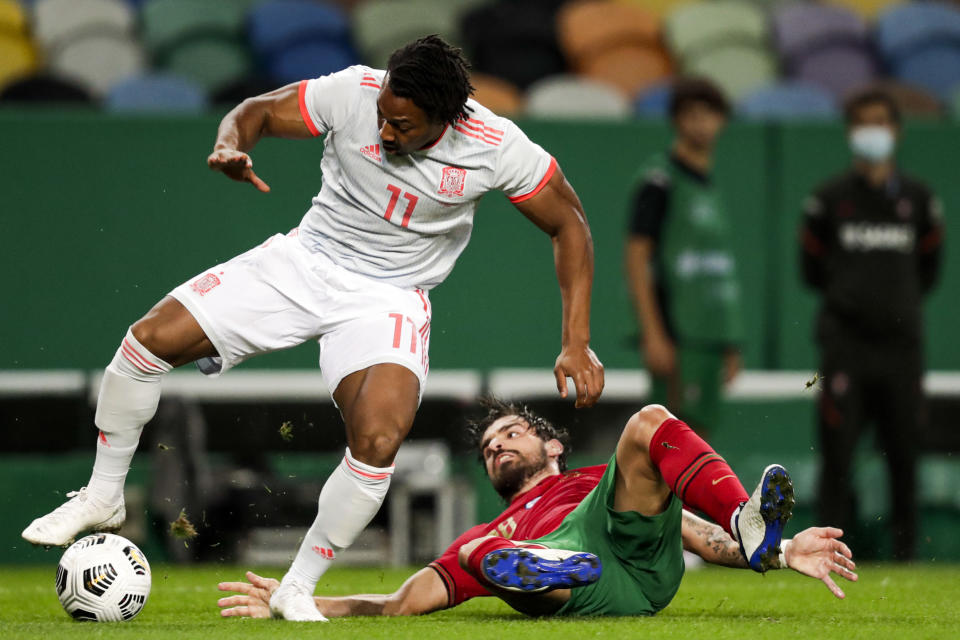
642, 556
698, 398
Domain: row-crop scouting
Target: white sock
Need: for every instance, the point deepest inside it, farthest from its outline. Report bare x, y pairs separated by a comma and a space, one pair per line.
129, 394
733, 522
350, 498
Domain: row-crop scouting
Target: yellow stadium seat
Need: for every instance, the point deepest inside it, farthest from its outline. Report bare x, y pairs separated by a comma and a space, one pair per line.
659, 8
17, 57
869, 9
13, 20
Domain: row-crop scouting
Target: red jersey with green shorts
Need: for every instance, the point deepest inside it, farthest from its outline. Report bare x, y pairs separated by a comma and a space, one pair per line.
532, 514
642, 556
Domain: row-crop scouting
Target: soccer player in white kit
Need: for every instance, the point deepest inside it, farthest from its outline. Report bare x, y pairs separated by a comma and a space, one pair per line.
407, 155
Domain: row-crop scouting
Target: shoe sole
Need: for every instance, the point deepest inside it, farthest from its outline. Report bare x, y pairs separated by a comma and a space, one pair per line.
776, 508
525, 571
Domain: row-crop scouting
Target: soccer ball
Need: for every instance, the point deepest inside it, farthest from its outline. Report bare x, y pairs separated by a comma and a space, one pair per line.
103, 578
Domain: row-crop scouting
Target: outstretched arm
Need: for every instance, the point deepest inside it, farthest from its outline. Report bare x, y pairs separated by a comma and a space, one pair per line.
556, 209
423, 592
275, 114
816, 552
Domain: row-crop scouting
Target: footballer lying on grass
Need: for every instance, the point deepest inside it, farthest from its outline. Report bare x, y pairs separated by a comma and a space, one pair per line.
602, 540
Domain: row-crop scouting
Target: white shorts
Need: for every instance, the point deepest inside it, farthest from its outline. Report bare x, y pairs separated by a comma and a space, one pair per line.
280, 294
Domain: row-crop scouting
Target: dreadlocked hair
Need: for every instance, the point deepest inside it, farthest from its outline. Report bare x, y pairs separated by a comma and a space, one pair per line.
435, 75
492, 409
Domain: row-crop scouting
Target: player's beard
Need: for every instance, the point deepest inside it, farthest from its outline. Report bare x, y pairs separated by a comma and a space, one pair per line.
512, 474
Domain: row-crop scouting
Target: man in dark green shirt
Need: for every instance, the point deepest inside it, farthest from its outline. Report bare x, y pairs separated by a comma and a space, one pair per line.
680, 264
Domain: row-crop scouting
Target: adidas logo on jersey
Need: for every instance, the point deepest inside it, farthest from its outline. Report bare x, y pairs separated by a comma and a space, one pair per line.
372, 151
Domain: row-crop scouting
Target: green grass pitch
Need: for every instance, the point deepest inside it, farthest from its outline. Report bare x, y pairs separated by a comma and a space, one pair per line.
888, 602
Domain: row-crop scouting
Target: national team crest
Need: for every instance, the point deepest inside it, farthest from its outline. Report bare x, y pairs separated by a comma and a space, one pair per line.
451, 181
204, 284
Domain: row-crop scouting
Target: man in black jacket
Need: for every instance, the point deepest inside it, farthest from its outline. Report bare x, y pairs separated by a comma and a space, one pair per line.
871, 242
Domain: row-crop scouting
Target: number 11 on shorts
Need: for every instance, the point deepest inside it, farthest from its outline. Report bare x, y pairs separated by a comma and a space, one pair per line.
395, 193
398, 331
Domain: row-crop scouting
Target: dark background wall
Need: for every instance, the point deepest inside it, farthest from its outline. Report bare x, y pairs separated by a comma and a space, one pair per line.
102, 215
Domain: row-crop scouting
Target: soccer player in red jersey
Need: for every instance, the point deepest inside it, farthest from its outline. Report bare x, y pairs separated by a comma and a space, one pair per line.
600, 540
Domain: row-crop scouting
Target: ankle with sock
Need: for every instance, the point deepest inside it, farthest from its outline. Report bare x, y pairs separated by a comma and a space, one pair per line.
696, 473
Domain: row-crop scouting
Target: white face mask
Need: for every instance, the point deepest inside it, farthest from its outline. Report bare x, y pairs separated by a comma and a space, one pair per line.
873, 143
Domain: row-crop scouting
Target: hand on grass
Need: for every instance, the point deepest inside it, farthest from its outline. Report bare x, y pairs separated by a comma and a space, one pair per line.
255, 601
817, 552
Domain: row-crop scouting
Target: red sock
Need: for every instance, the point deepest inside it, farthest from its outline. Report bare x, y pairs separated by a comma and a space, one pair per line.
485, 547
696, 473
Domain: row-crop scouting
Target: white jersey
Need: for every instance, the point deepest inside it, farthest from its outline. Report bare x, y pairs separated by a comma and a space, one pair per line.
405, 219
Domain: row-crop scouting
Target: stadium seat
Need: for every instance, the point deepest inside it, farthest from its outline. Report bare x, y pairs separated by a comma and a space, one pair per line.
909, 27
13, 19
591, 27
168, 22
654, 102
738, 69
382, 26
572, 97
309, 60
280, 24
44, 88
921, 45
97, 61
630, 68
914, 102
804, 27
659, 8
213, 63
516, 42
867, 9
788, 101
496, 94
935, 68
17, 57
58, 22
839, 70
696, 28
151, 93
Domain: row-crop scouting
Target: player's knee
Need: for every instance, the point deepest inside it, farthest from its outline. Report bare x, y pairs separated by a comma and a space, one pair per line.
643, 424
155, 338
463, 556
377, 447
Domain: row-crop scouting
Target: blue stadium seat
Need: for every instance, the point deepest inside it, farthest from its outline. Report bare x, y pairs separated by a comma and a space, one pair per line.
654, 102
788, 101
913, 26
279, 24
934, 68
921, 44
151, 93
309, 60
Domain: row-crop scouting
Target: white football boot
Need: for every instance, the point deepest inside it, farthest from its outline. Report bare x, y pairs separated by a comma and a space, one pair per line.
758, 523
80, 513
293, 600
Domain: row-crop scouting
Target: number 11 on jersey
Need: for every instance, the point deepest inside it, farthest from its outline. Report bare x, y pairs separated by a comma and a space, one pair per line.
395, 193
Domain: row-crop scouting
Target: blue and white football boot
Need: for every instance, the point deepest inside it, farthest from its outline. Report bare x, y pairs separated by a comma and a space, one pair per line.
530, 570
759, 522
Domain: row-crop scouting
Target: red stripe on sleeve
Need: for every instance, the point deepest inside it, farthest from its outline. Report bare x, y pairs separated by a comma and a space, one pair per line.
543, 182
307, 120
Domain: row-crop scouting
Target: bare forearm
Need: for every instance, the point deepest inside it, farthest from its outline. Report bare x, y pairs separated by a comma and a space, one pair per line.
243, 127
358, 605
573, 256
711, 542
642, 289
